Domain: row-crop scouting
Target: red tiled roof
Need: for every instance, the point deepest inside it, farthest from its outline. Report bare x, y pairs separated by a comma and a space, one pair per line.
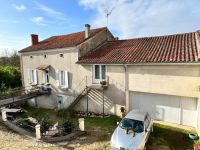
160, 49
61, 41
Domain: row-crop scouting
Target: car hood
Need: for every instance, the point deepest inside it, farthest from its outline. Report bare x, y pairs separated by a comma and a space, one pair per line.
121, 139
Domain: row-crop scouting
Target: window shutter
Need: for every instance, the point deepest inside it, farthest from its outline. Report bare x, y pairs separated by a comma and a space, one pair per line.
35, 77
29, 76
44, 77
59, 75
57, 78
66, 79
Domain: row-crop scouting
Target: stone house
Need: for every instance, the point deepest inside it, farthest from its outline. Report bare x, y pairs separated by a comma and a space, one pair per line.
158, 74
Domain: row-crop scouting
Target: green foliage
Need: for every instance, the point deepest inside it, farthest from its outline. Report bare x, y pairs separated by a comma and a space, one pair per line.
10, 77
10, 60
67, 127
65, 113
45, 124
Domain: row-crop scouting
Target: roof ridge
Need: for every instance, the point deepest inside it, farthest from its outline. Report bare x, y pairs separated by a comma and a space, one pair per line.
157, 36
77, 32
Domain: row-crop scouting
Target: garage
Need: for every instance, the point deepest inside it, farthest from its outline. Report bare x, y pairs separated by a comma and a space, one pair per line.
174, 109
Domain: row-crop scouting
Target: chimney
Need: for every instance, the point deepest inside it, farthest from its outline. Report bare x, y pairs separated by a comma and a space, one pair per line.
34, 38
87, 31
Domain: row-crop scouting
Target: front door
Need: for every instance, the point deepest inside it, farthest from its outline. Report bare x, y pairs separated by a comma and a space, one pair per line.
99, 73
60, 102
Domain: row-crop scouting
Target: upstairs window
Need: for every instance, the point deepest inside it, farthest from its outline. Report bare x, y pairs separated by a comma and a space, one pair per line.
31, 56
32, 76
99, 73
62, 78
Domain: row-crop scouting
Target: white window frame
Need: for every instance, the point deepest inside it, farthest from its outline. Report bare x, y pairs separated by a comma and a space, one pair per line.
45, 75
62, 79
32, 75
94, 79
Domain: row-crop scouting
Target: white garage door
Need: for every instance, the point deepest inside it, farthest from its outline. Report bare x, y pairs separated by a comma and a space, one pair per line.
174, 109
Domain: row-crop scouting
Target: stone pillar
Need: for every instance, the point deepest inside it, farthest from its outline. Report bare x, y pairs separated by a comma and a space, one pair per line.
3, 113
81, 124
37, 132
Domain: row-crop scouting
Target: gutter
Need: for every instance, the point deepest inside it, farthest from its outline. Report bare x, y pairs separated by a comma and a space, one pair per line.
141, 64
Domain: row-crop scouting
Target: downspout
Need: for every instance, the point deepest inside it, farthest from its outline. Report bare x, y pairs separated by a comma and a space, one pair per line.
126, 87
22, 70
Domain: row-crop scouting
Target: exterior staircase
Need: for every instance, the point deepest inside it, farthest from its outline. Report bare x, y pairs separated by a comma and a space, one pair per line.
79, 97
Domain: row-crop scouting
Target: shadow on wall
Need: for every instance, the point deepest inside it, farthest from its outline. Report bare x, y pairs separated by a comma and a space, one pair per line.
114, 99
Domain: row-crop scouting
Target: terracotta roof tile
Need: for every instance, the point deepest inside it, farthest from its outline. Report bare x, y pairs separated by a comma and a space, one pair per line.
159, 49
61, 41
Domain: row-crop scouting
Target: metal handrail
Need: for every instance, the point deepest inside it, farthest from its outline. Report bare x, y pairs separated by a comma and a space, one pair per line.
76, 90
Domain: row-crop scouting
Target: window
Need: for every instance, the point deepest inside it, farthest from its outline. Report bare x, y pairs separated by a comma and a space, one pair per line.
61, 55
32, 76
99, 73
31, 56
62, 78
147, 121
46, 76
132, 124
45, 56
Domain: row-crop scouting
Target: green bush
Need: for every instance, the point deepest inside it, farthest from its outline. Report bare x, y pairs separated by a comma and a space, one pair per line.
67, 127
45, 124
10, 77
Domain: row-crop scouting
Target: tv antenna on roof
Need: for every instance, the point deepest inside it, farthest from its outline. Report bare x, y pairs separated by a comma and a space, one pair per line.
108, 13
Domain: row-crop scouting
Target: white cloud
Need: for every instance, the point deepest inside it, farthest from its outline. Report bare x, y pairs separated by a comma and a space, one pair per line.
136, 18
39, 21
19, 7
50, 12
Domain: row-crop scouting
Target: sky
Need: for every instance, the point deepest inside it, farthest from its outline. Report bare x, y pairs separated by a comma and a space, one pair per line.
127, 19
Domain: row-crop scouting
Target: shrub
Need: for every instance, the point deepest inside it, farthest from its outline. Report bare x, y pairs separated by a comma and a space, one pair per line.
45, 124
10, 77
67, 127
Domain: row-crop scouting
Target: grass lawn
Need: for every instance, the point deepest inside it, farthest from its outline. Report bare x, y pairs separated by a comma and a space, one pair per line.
169, 138
99, 131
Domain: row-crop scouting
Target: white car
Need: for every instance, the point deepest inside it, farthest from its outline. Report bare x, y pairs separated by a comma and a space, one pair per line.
132, 132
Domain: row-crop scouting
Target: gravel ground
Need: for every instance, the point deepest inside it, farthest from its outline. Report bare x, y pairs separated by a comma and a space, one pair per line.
10, 140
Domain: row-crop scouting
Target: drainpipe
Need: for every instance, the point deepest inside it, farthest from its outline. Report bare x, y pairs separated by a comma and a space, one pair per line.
126, 87
198, 113
22, 70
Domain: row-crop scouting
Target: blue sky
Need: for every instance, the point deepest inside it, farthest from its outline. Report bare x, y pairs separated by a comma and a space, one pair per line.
129, 18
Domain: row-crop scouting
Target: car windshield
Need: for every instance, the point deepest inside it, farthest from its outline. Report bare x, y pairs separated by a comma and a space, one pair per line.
131, 124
